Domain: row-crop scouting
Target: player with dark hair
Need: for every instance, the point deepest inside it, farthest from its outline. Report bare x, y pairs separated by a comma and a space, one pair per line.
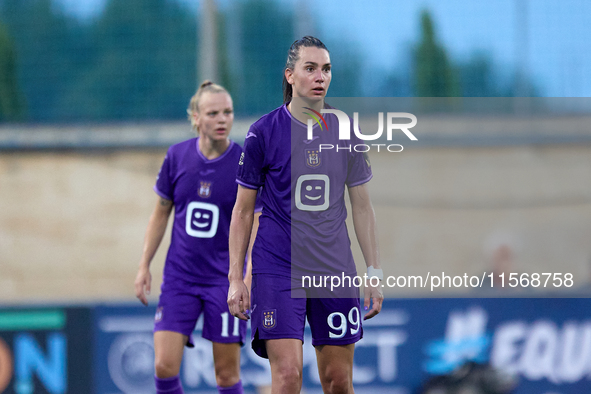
197, 178
302, 230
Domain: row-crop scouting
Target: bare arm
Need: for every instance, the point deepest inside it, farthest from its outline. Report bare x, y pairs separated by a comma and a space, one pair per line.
364, 222
253, 235
152, 239
240, 230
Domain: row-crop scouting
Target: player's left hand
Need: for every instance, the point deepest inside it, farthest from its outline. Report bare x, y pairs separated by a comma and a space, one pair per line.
142, 284
238, 300
375, 295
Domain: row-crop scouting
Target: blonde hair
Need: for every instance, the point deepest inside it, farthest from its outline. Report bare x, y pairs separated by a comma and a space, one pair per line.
206, 87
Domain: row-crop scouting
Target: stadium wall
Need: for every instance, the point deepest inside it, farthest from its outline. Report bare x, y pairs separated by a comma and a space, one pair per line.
72, 220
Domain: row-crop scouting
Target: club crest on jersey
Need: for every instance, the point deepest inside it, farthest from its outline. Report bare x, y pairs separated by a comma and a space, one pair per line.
312, 158
158, 315
204, 189
269, 318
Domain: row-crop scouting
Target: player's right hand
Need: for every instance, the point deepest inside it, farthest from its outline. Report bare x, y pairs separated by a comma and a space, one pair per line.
238, 299
143, 283
374, 298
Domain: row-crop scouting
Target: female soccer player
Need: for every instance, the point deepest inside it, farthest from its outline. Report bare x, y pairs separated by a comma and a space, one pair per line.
197, 178
302, 230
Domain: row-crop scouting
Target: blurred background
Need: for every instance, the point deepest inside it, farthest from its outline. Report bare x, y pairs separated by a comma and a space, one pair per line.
92, 92
139, 60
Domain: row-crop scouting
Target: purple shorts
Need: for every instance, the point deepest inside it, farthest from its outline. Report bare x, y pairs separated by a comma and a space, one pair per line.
276, 315
181, 303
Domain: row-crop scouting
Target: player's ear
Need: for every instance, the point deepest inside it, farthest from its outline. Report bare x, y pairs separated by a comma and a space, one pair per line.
289, 75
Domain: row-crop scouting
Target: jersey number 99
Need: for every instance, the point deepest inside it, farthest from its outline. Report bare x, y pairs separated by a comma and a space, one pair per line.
341, 328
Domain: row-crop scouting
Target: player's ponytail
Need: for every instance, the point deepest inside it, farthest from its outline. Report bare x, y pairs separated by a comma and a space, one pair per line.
206, 87
206, 83
293, 56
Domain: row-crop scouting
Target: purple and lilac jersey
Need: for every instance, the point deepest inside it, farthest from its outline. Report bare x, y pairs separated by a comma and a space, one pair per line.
203, 193
302, 226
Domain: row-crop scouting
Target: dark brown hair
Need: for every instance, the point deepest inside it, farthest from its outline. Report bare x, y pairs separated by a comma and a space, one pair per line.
293, 55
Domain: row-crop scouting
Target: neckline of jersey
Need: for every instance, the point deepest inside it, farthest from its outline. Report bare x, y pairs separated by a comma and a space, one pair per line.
297, 121
212, 160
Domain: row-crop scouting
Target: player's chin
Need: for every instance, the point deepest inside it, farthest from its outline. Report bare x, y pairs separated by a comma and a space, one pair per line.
316, 96
220, 136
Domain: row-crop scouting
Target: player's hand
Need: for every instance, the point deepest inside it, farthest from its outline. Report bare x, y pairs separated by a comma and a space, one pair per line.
373, 294
143, 283
238, 300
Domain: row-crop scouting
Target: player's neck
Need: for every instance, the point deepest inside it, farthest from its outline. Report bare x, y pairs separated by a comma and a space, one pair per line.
298, 107
213, 149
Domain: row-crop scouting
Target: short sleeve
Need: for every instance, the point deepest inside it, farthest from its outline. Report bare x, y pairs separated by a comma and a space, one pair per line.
251, 165
164, 187
359, 167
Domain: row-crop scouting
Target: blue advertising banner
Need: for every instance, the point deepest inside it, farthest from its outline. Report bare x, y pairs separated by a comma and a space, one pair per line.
45, 350
124, 357
545, 344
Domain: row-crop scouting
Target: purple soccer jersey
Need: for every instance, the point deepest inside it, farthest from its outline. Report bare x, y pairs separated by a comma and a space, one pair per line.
302, 228
203, 192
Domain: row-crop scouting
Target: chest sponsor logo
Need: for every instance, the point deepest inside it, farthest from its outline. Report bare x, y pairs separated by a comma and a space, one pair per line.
312, 192
202, 219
